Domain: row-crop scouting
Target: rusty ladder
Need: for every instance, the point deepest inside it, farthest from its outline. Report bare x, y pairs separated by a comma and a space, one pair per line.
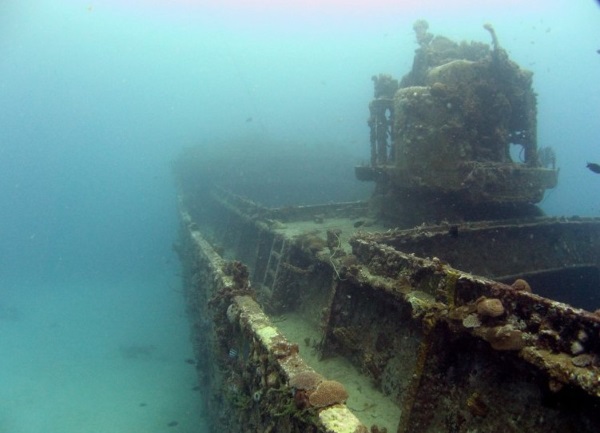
273, 264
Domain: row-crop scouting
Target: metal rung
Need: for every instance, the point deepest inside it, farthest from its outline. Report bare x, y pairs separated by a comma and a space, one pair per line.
272, 268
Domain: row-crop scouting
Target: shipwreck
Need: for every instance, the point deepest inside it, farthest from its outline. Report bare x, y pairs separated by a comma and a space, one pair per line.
445, 303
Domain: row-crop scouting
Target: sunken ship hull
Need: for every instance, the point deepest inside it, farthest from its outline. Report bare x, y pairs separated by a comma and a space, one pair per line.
445, 303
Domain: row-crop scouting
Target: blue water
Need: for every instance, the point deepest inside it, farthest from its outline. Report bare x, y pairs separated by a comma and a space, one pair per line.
98, 97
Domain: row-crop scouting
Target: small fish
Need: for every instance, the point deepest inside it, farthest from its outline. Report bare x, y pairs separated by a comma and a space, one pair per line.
249, 119
358, 224
172, 424
593, 167
190, 361
196, 388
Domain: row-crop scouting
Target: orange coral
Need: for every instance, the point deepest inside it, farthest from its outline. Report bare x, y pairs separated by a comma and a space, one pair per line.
306, 380
329, 392
521, 285
490, 307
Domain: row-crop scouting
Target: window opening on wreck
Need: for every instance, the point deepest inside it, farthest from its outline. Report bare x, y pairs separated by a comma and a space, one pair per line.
517, 153
389, 156
382, 131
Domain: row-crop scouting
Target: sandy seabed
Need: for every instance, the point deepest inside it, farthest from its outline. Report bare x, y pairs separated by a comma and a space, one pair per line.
94, 358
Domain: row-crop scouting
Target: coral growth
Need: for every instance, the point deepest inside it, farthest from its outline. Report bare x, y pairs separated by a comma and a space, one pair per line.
505, 338
490, 307
238, 272
583, 360
306, 380
423, 36
471, 321
329, 392
281, 348
303, 384
233, 313
521, 285
310, 242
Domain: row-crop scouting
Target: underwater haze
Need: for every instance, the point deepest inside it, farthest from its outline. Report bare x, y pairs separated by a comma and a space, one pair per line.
97, 98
